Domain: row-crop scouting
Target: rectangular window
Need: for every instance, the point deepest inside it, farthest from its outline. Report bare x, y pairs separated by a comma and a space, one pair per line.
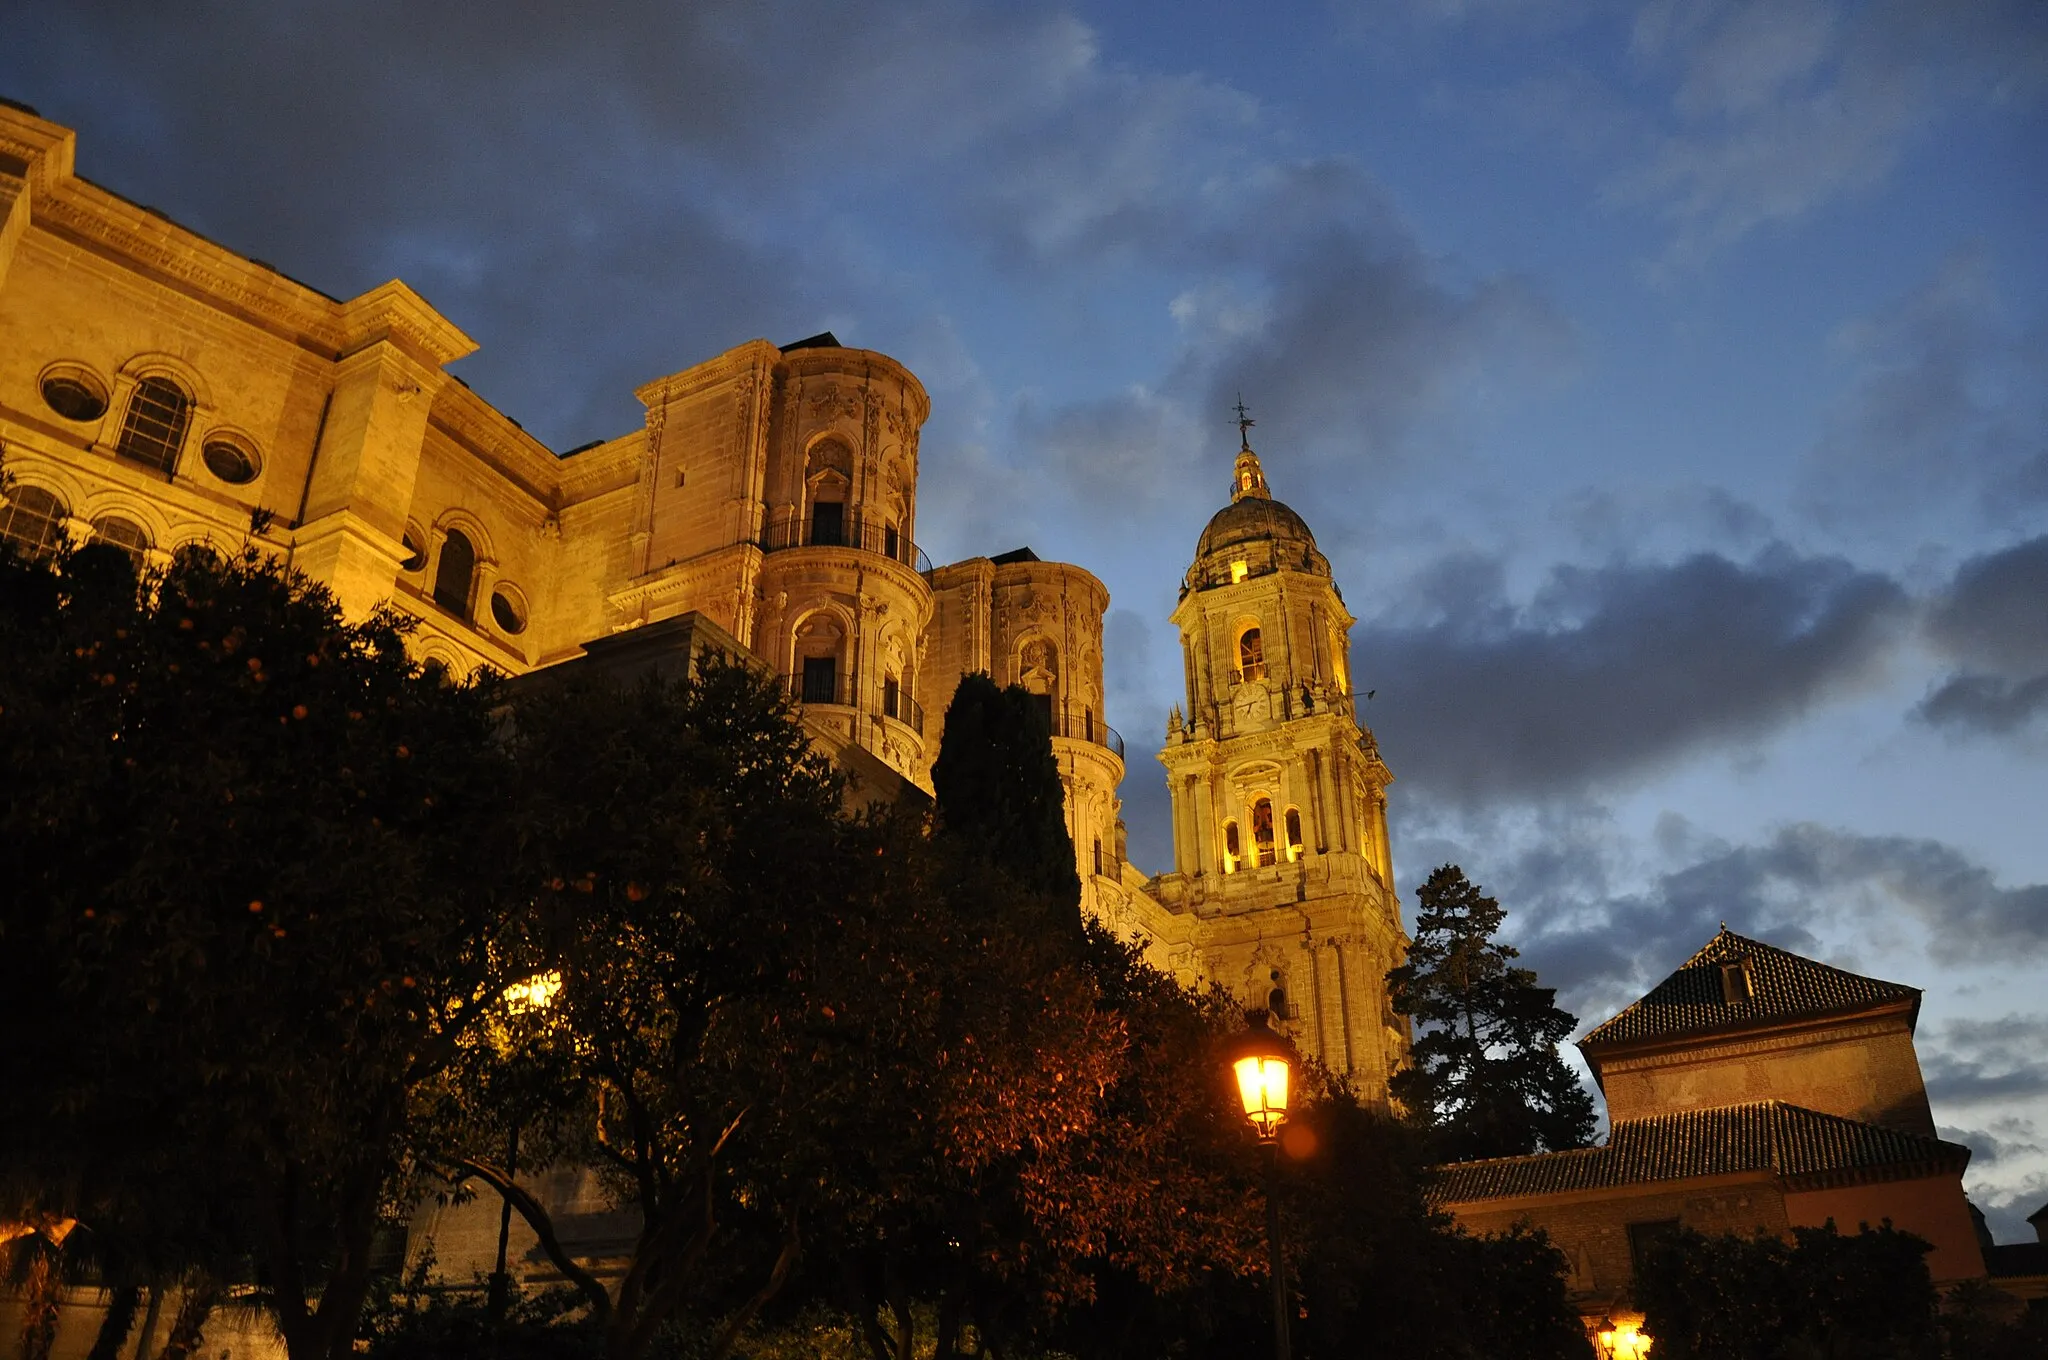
821, 680
1043, 702
891, 697
1735, 987
828, 524
892, 543
1098, 855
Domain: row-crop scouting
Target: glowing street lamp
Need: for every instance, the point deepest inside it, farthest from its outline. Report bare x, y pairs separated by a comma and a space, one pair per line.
1262, 1063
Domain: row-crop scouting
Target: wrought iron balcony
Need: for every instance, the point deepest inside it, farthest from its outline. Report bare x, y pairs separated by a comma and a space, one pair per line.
840, 691
854, 531
1086, 726
904, 709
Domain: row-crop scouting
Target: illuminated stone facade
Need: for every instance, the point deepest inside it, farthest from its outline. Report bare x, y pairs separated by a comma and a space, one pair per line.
157, 389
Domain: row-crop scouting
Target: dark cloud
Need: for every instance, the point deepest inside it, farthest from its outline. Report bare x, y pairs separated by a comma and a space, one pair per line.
596, 202
1304, 290
1364, 337
1992, 622
1611, 673
1973, 1063
1566, 876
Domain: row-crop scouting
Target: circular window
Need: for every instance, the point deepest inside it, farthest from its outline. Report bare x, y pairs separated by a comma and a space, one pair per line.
506, 611
229, 461
415, 555
74, 396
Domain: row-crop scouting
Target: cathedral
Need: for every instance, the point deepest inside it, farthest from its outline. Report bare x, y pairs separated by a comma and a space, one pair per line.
158, 390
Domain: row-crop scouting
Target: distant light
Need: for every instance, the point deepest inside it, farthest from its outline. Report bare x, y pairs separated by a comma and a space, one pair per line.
536, 993
1623, 1340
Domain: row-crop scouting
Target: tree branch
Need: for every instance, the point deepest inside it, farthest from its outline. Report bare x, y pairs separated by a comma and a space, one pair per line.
543, 1228
729, 1334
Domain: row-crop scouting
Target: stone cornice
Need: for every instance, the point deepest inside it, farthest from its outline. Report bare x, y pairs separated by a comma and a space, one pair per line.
805, 362
753, 356
487, 433
104, 223
393, 311
595, 472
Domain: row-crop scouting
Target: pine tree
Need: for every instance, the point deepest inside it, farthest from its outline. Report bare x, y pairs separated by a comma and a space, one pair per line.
998, 789
1486, 1069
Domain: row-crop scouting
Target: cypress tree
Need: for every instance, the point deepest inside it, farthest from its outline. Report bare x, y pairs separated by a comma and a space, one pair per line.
999, 793
1486, 1071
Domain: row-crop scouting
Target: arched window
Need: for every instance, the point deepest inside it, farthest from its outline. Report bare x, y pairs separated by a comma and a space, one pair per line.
153, 430
1262, 830
125, 534
1294, 833
1276, 1004
1251, 655
1232, 848
456, 574
33, 521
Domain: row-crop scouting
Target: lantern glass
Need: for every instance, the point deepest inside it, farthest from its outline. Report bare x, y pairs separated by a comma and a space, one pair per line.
1262, 1086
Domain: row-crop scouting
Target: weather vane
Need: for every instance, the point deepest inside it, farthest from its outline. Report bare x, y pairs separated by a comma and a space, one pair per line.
1244, 424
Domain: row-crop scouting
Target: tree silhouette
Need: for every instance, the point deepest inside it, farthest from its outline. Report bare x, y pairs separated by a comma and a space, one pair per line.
1486, 1072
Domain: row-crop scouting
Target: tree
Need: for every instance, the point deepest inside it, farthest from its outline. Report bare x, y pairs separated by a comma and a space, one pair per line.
998, 790
1486, 1072
1820, 1296
255, 899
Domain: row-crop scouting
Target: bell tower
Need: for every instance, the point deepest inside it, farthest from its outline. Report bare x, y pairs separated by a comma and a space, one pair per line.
1279, 795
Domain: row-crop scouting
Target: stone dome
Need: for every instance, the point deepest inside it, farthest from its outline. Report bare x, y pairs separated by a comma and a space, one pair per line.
1254, 519
1253, 535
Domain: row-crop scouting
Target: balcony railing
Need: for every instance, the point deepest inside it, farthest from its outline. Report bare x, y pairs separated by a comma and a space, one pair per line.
814, 689
854, 531
841, 691
904, 709
1086, 726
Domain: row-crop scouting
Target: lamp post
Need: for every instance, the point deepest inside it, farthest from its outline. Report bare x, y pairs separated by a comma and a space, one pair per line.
1263, 1063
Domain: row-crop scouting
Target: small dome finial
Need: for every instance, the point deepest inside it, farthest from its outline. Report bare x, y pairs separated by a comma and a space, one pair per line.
1248, 478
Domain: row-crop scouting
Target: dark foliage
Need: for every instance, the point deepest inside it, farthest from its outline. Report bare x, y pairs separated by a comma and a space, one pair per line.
252, 902
998, 791
1486, 1074
1821, 1296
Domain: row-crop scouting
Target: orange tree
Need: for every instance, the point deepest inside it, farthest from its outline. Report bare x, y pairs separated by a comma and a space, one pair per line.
780, 1032
255, 890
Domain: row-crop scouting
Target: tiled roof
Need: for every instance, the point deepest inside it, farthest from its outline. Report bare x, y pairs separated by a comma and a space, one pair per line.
1786, 1140
1782, 986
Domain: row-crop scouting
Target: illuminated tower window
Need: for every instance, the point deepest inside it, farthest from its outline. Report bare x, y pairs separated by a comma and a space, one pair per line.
1232, 848
1262, 830
1251, 655
1239, 570
1293, 833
